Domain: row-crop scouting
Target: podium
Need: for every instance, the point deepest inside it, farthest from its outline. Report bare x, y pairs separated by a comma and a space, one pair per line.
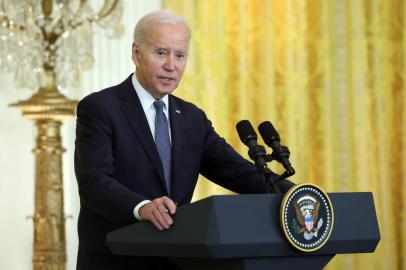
243, 232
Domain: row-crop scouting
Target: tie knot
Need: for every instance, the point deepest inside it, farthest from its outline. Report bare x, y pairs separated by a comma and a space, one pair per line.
159, 104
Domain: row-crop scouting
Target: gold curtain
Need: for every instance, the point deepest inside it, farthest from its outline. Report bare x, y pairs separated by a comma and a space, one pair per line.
330, 75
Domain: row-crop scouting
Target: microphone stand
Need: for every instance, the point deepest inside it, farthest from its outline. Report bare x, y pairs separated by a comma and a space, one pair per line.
278, 154
258, 154
261, 158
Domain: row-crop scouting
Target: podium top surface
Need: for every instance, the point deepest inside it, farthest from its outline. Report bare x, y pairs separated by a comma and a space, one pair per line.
230, 226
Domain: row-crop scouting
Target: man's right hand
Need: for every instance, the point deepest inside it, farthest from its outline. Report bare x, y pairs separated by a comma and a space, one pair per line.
159, 212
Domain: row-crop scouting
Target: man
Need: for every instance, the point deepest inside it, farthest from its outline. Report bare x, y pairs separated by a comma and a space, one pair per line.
139, 150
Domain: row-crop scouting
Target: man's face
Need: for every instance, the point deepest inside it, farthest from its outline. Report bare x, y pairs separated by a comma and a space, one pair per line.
161, 60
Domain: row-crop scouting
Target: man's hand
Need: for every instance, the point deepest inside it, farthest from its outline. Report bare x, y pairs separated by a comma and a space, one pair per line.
159, 212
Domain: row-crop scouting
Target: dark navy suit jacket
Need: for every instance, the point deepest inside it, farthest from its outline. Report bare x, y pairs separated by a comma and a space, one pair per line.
117, 164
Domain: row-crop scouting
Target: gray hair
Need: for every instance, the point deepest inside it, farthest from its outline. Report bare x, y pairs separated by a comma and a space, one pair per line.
159, 16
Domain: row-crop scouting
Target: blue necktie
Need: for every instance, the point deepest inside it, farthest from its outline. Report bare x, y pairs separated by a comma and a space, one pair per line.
162, 141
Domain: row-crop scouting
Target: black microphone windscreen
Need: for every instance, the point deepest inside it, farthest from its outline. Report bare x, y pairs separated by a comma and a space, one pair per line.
268, 132
245, 131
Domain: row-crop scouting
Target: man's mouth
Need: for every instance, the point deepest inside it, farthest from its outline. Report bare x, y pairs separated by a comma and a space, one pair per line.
167, 79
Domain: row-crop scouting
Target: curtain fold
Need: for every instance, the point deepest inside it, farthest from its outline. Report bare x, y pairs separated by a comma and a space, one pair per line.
330, 75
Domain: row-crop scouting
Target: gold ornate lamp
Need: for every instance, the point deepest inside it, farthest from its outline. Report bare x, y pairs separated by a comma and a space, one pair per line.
47, 44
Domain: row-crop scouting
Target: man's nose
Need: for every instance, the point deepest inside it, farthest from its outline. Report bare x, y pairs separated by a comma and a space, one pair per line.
169, 63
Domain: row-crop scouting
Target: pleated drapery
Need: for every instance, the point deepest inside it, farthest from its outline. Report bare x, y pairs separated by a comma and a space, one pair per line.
330, 75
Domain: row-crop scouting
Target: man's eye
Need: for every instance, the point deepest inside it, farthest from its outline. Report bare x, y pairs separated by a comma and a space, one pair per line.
160, 53
180, 55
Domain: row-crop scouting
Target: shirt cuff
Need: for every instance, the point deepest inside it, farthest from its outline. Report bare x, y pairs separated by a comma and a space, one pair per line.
137, 208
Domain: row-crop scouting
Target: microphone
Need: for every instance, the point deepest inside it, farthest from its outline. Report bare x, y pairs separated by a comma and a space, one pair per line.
247, 133
256, 152
280, 153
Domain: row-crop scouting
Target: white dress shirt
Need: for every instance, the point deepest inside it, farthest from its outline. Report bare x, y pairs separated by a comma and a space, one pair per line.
147, 103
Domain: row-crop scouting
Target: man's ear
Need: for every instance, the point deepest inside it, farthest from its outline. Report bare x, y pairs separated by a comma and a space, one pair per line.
135, 53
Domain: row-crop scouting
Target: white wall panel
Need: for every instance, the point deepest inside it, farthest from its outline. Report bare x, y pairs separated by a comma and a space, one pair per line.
17, 138
16, 178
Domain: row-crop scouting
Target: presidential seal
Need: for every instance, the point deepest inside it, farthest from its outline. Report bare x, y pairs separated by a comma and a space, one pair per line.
307, 217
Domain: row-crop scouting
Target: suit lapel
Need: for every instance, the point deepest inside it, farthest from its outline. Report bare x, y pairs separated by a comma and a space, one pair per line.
177, 131
132, 108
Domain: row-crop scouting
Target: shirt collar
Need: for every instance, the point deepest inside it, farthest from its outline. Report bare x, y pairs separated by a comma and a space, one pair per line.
146, 99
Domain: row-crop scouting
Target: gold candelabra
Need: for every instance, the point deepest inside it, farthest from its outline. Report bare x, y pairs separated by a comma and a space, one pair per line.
47, 44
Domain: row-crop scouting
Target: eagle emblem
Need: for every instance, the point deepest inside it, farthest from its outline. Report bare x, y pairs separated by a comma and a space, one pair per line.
307, 217
307, 212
